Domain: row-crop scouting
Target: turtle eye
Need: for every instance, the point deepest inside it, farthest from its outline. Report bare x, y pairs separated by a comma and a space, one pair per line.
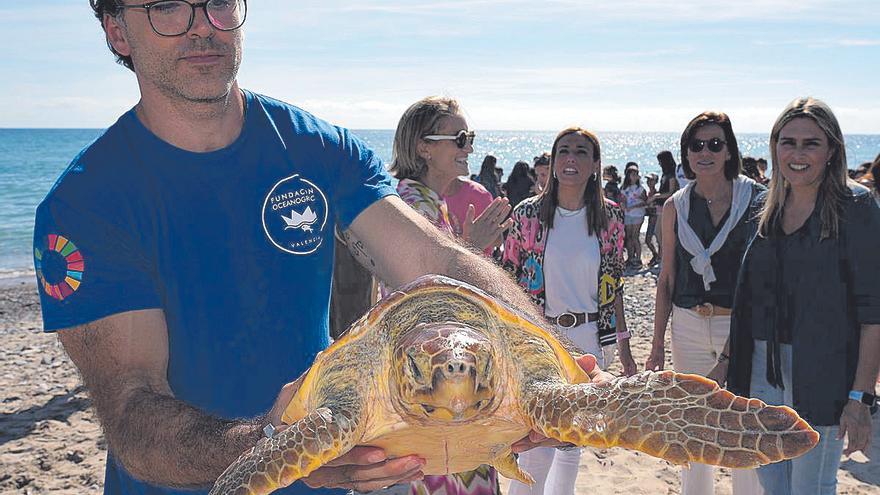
428, 409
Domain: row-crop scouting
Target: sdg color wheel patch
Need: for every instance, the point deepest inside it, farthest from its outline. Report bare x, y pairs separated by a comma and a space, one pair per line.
59, 265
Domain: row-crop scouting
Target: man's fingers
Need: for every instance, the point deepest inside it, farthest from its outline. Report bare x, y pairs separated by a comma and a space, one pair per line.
366, 477
283, 399
533, 440
360, 455
372, 485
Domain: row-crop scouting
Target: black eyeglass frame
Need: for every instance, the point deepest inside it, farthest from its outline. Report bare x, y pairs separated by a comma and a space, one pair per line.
461, 139
696, 145
192, 15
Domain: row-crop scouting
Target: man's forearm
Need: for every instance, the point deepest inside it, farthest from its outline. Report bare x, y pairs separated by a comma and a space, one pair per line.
475, 269
165, 441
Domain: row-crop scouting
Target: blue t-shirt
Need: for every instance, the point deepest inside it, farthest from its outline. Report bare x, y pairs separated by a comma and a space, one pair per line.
234, 245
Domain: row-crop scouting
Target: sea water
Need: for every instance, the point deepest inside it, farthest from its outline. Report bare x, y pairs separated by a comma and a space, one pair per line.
32, 159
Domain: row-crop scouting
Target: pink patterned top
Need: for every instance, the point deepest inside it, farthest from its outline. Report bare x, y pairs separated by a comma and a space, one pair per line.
469, 193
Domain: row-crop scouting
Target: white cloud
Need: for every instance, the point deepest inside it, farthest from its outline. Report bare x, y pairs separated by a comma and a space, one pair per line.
859, 42
630, 10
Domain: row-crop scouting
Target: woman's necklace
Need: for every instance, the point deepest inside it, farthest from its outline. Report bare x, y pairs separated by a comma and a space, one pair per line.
568, 213
720, 197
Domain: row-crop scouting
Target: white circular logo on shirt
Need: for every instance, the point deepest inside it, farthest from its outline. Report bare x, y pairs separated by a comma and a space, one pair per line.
294, 215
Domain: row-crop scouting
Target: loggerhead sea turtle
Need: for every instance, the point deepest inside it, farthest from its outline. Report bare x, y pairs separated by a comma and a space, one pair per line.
443, 370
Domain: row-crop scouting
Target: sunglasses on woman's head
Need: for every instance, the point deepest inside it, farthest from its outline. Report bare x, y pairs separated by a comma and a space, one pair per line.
461, 139
715, 145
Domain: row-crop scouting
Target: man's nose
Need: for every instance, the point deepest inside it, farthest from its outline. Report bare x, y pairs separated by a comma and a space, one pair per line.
201, 25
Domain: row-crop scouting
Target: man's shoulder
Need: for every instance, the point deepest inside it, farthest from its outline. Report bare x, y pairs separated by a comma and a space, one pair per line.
90, 174
303, 122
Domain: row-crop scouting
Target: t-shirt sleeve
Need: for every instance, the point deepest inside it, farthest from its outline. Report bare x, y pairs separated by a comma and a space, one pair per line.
87, 268
362, 178
863, 251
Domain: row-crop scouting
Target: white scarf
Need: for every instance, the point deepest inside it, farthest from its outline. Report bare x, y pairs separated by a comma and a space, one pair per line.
702, 256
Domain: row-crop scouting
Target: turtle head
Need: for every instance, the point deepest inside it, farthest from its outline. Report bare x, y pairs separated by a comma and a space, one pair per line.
445, 372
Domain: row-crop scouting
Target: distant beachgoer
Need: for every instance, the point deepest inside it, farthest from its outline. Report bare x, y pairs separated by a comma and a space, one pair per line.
635, 201
750, 168
859, 172
681, 176
488, 178
668, 186
651, 213
612, 184
566, 250
706, 227
519, 185
806, 325
542, 172
875, 175
762, 170
431, 147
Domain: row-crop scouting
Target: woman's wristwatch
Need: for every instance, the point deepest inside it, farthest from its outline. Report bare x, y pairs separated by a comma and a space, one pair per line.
865, 398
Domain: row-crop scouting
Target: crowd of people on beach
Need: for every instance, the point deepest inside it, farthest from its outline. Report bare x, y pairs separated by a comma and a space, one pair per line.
711, 215
173, 275
640, 203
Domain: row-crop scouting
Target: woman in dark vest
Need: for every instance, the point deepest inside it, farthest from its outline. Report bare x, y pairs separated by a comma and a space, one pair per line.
706, 227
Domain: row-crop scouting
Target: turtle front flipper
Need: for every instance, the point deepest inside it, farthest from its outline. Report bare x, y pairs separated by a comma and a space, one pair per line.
677, 417
290, 454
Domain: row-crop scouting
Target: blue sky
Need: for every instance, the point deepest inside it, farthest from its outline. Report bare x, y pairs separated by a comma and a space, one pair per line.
610, 65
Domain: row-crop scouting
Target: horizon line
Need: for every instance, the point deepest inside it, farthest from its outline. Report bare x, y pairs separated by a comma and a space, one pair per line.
392, 130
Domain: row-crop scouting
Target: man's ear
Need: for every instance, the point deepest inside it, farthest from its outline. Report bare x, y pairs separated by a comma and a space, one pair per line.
116, 35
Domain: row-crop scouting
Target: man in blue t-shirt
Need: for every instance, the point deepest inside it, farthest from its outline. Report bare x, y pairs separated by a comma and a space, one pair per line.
185, 256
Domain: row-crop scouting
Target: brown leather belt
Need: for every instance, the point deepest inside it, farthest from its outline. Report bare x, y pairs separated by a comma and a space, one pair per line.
708, 310
571, 320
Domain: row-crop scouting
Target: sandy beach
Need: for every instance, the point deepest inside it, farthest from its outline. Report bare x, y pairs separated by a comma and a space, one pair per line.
51, 442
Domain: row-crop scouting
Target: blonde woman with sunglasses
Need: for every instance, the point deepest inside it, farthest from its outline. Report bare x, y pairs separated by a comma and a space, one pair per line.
430, 152
431, 149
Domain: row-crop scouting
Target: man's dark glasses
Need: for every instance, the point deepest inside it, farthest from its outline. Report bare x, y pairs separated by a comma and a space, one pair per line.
462, 139
175, 17
715, 145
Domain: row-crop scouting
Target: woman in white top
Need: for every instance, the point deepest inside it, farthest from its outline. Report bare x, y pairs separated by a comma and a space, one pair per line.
566, 250
636, 199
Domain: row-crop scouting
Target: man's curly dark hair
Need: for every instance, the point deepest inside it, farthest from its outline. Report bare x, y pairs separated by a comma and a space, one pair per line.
111, 8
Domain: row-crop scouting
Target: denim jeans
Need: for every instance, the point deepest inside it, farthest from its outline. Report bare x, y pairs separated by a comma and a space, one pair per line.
814, 473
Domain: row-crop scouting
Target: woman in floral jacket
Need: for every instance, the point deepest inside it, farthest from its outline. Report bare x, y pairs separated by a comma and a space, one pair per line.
565, 249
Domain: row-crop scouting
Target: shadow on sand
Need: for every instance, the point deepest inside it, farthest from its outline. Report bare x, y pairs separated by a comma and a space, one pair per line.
21, 423
862, 470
